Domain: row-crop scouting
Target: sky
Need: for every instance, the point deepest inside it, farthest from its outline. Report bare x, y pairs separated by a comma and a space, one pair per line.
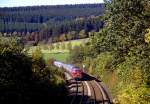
16, 3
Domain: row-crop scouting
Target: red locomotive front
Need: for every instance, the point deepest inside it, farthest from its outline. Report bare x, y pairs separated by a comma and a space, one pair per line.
76, 73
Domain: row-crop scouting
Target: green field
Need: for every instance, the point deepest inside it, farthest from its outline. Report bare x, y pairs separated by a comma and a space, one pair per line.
75, 42
56, 53
57, 56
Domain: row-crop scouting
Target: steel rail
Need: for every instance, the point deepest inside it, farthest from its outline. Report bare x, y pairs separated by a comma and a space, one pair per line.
105, 97
83, 91
73, 100
94, 93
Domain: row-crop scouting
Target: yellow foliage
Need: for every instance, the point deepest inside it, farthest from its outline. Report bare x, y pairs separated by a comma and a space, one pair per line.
136, 76
132, 95
37, 54
90, 69
133, 91
147, 36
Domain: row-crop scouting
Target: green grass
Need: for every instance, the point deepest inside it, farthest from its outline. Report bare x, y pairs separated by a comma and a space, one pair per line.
57, 56
74, 42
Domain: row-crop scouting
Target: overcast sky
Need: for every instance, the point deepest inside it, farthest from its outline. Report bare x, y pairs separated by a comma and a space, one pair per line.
14, 3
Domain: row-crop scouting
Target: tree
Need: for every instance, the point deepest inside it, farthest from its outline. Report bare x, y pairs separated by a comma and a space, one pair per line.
69, 46
63, 46
147, 36
124, 28
55, 39
82, 34
27, 80
70, 35
14, 81
125, 37
77, 54
52, 46
125, 34
62, 37
57, 45
1, 34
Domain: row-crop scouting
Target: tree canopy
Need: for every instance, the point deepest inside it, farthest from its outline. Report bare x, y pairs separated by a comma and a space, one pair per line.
119, 52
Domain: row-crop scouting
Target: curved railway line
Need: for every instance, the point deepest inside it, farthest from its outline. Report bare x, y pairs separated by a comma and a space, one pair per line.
87, 91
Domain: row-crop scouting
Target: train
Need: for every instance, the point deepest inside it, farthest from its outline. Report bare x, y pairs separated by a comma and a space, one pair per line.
74, 71
58, 64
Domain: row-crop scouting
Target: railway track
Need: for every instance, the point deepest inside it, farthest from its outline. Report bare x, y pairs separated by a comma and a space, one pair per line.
88, 91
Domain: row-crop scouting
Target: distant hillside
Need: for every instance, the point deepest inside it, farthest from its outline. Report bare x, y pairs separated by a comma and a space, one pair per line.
50, 21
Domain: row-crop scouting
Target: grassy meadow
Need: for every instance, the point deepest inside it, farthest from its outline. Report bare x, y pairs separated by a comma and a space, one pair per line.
57, 56
58, 51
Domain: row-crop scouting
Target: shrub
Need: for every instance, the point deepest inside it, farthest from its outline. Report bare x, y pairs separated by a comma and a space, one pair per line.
27, 80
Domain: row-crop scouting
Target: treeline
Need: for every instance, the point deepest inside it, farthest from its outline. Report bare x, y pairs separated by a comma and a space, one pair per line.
41, 14
119, 53
54, 20
90, 23
27, 79
60, 31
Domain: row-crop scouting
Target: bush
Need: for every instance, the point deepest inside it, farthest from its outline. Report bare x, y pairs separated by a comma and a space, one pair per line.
102, 62
77, 54
27, 80
126, 82
129, 94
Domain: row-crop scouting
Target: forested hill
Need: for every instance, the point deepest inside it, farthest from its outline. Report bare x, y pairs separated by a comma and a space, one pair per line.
40, 14
55, 20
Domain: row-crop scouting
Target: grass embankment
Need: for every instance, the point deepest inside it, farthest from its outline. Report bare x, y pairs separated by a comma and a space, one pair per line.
59, 50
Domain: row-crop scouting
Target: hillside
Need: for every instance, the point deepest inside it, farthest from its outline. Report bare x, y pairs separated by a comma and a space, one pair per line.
37, 23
